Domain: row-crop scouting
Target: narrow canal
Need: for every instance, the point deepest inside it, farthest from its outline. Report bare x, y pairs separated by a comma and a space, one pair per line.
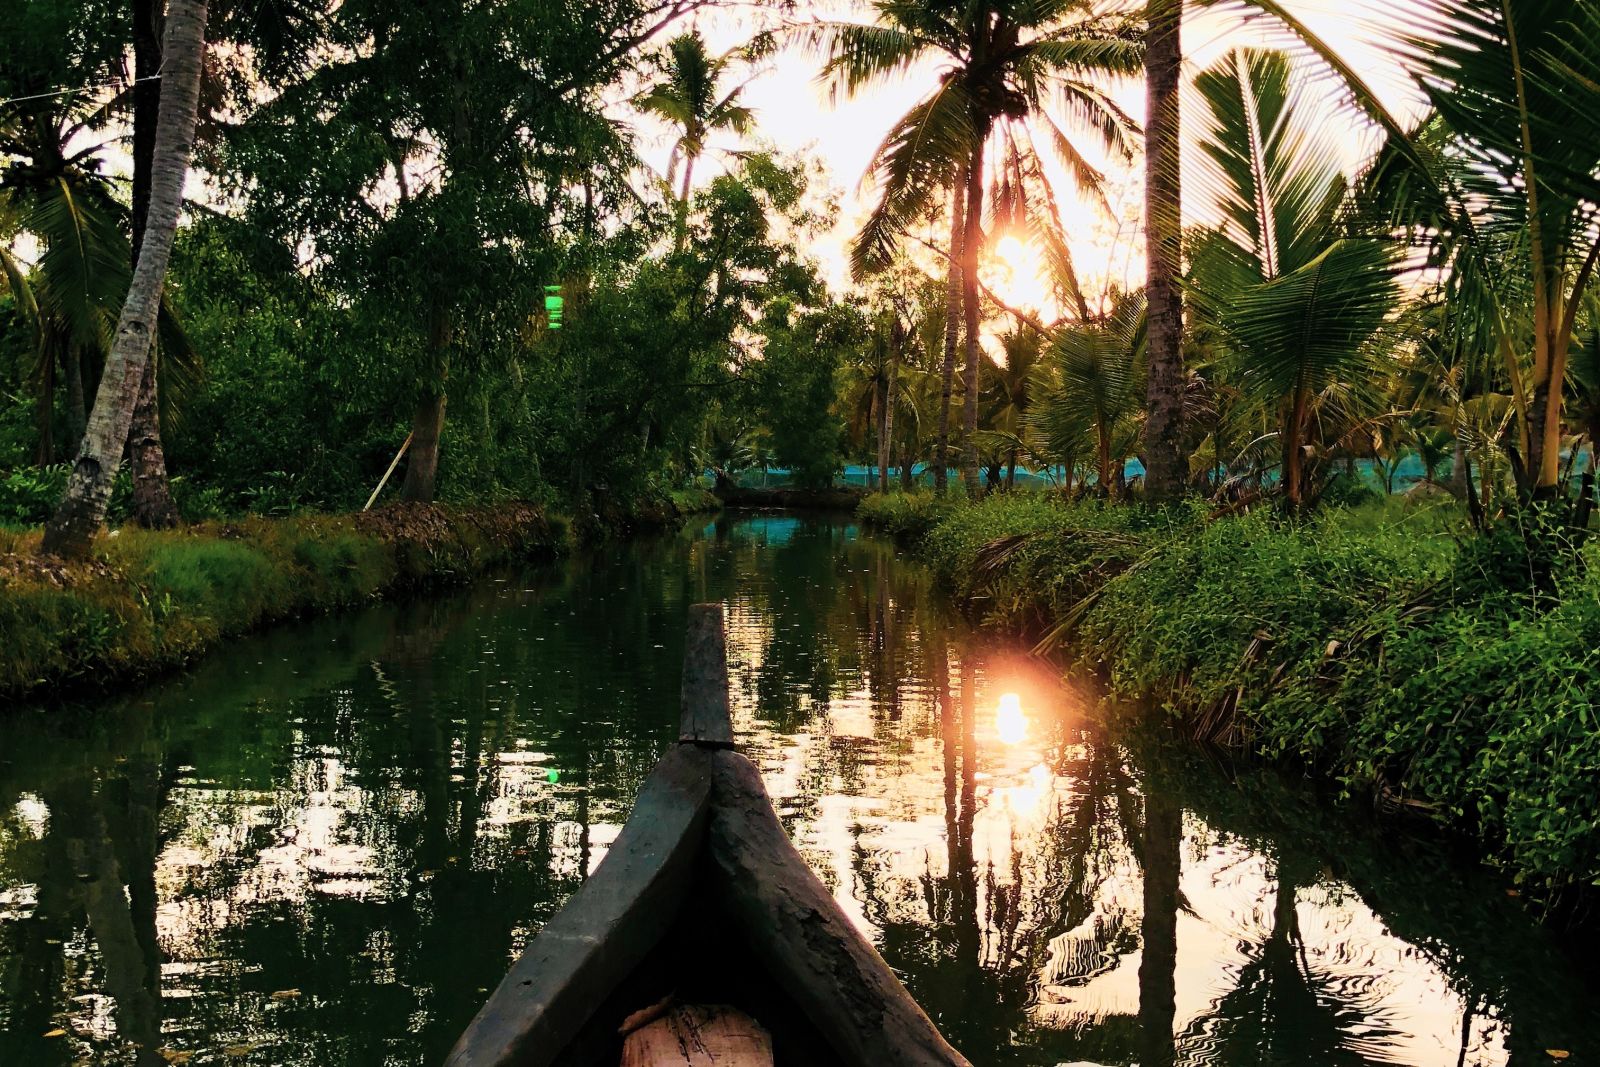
325, 844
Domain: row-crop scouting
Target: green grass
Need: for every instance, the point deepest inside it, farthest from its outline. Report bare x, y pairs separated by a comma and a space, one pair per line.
148, 601
1385, 646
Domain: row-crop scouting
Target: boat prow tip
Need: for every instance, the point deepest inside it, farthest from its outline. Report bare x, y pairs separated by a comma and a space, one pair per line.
707, 720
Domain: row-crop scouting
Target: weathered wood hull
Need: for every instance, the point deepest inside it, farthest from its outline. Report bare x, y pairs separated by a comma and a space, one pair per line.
702, 899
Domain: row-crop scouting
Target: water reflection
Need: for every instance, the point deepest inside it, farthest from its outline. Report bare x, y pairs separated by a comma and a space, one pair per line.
323, 846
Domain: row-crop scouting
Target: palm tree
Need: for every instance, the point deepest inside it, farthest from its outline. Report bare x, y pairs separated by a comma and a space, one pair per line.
56, 191
952, 325
1165, 463
1093, 399
1500, 184
1584, 403
71, 530
866, 383
1297, 293
81, 273
690, 97
153, 506
1014, 389
1004, 59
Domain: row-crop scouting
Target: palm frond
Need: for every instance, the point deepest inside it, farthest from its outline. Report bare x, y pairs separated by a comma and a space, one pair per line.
914, 161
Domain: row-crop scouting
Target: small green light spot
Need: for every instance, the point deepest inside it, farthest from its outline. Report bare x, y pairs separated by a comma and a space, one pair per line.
552, 775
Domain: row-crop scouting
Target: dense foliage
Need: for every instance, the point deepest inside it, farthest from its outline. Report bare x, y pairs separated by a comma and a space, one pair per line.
1383, 645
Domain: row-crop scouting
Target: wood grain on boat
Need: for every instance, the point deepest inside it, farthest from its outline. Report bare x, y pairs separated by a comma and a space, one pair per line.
697, 1035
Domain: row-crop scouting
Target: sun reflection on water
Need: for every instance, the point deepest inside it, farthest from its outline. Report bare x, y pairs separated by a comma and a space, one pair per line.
1011, 722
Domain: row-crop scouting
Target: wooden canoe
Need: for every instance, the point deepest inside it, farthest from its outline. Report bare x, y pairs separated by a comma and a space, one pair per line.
702, 920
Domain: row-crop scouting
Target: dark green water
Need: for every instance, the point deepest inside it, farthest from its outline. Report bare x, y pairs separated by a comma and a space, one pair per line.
325, 844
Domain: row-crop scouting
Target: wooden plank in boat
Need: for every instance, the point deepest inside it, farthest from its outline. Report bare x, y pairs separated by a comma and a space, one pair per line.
699, 1035
706, 720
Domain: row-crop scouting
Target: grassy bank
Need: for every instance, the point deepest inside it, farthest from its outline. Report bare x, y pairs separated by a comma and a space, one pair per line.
149, 601
1382, 646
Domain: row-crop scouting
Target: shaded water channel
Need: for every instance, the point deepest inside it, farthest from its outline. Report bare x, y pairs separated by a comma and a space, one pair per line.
325, 844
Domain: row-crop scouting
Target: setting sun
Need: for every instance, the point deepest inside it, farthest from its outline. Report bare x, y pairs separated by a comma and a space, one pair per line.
1018, 274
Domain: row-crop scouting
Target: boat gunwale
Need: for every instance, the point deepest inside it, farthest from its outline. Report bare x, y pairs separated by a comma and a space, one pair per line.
703, 801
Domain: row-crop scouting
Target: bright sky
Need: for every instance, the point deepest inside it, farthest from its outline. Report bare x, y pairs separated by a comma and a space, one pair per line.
796, 114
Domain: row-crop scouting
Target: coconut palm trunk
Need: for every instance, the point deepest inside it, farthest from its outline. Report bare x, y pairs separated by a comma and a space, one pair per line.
153, 507
886, 408
1294, 478
1163, 431
971, 239
44, 415
952, 327
152, 504
77, 413
1108, 484
71, 531
683, 202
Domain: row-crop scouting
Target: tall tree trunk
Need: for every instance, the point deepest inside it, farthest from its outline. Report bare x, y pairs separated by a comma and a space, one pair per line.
971, 239
886, 413
44, 413
422, 470
153, 507
1544, 453
1460, 470
1293, 456
952, 327
152, 494
1108, 486
77, 408
683, 203
427, 422
1166, 470
72, 529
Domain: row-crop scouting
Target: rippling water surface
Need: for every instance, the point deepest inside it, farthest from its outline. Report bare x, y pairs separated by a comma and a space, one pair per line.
326, 844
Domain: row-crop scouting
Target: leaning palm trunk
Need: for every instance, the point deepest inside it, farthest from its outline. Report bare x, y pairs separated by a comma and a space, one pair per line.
71, 530
970, 241
1166, 467
152, 493
952, 327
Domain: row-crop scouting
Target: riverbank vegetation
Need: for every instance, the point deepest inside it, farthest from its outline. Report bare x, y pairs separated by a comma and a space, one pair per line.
151, 600
1387, 645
